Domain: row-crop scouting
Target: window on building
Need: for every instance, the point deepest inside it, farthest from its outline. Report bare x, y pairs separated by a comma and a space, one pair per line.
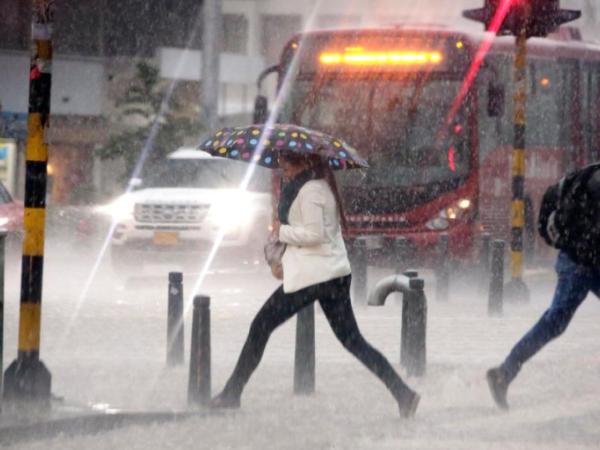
15, 24
276, 32
337, 21
235, 33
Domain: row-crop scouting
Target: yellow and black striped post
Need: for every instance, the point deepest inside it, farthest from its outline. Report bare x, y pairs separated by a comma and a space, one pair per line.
516, 288
27, 379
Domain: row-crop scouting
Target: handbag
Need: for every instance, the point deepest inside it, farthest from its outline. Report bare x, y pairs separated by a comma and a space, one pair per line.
274, 250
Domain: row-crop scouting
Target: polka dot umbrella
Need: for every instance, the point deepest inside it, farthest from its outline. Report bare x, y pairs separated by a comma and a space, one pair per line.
262, 144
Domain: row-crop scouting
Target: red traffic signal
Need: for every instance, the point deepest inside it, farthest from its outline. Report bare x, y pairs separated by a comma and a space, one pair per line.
536, 17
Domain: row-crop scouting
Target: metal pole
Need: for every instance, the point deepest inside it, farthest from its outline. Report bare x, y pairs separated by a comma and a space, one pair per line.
414, 316
496, 279
443, 272
413, 347
359, 271
175, 320
199, 385
211, 41
484, 262
516, 288
406, 298
27, 378
304, 358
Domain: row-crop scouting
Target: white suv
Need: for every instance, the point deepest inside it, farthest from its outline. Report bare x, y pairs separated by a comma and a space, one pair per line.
176, 214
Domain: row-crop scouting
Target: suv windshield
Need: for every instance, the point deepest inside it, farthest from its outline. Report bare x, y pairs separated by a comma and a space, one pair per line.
210, 173
398, 124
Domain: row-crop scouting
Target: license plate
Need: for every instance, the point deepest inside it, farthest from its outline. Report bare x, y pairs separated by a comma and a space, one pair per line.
166, 238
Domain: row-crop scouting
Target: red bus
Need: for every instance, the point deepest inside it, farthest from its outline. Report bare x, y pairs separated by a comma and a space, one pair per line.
389, 92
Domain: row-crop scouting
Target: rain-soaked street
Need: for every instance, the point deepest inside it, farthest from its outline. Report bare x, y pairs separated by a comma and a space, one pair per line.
109, 352
255, 143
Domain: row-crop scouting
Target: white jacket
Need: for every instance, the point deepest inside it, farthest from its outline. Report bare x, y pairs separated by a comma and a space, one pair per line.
315, 248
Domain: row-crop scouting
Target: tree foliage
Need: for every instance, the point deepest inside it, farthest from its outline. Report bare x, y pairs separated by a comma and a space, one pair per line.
147, 104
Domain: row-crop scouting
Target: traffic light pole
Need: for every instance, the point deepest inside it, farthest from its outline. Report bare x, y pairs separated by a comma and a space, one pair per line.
26, 380
516, 289
212, 11
523, 19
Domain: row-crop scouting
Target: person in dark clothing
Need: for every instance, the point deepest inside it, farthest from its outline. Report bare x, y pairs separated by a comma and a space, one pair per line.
575, 280
315, 268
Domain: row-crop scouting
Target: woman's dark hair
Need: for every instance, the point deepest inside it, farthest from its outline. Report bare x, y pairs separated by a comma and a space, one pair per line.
323, 170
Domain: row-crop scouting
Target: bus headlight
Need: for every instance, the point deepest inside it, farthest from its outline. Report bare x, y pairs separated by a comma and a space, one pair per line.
456, 211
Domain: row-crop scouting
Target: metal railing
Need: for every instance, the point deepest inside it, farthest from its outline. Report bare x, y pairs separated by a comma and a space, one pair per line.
414, 317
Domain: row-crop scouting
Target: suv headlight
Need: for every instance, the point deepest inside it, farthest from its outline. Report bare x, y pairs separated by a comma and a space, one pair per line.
119, 209
456, 211
231, 216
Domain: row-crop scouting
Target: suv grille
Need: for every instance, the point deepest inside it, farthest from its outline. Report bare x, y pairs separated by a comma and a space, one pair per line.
160, 213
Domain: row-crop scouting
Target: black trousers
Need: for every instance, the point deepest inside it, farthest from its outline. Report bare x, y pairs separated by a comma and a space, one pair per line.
334, 298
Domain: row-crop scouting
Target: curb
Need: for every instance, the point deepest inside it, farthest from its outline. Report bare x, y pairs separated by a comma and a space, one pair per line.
88, 424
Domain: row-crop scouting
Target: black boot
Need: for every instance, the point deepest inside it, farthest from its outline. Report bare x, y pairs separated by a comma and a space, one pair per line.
225, 401
498, 383
407, 403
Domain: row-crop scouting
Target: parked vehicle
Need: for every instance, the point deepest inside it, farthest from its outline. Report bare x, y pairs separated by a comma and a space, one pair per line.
176, 214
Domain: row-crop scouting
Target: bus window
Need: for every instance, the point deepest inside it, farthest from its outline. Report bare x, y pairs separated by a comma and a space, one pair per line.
569, 107
398, 124
505, 125
489, 128
584, 81
544, 105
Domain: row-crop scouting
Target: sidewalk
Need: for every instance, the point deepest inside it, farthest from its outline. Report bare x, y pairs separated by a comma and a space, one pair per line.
69, 420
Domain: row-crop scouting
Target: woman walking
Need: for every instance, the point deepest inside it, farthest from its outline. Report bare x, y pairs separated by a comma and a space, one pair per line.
315, 267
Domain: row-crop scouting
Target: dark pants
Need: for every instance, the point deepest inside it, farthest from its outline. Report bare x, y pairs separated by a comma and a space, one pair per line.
334, 298
574, 284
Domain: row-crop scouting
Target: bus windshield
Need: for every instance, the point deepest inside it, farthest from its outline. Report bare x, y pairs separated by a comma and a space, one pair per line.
397, 124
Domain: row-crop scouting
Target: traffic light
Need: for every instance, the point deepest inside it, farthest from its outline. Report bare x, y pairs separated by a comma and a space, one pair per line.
536, 17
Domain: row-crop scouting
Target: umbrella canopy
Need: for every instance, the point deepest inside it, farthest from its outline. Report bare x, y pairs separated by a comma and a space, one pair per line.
263, 144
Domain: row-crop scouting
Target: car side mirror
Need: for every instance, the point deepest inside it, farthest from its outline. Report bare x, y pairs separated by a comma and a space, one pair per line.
495, 104
261, 109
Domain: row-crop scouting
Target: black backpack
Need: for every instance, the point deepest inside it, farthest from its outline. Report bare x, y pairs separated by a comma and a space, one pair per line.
569, 216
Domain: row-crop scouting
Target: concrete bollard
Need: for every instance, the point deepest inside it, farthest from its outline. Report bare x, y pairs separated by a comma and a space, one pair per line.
496, 279
484, 262
443, 269
359, 271
405, 299
304, 358
175, 320
199, 386
414, 317
414, 320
